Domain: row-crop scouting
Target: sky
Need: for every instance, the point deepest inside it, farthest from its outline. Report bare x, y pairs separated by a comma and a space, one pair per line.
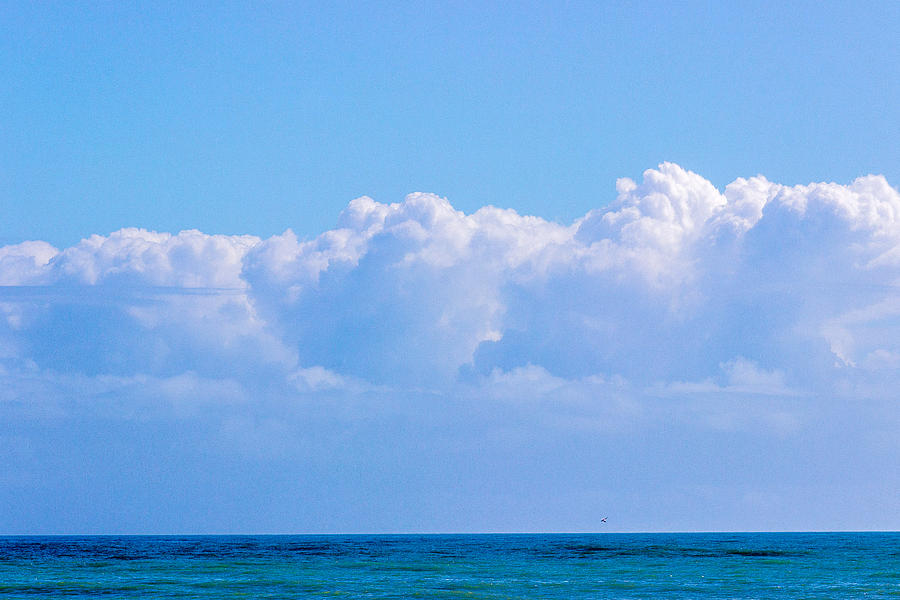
441, 267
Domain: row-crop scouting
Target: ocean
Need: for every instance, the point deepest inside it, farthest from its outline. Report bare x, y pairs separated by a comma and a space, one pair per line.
570, 566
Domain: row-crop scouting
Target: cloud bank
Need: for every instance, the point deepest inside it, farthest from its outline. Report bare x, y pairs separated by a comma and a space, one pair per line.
764, 308
670, 280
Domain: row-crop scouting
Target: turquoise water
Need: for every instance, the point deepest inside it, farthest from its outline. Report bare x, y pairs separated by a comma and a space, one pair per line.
755, 565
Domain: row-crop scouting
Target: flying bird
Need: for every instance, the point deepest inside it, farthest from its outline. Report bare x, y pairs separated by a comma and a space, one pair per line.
603, 520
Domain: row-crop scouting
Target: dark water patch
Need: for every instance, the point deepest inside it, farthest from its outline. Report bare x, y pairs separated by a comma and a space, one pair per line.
659, 551
763, 553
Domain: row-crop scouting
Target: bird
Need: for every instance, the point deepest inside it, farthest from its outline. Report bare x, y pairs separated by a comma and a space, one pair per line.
603, 520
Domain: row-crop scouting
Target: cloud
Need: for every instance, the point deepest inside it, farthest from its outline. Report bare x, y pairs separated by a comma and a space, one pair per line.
669, 281
135, 256
738, 377
676, 312
22, 264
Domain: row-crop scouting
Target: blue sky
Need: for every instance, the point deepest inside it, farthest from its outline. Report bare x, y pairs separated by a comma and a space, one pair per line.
446, 267
168, 117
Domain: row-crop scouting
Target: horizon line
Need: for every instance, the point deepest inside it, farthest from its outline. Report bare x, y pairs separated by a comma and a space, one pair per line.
453, 533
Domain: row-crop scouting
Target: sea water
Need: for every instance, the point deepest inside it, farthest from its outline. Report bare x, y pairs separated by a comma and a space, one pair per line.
712, 565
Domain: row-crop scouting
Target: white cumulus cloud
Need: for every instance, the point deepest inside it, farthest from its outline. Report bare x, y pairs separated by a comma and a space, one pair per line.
666, 283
